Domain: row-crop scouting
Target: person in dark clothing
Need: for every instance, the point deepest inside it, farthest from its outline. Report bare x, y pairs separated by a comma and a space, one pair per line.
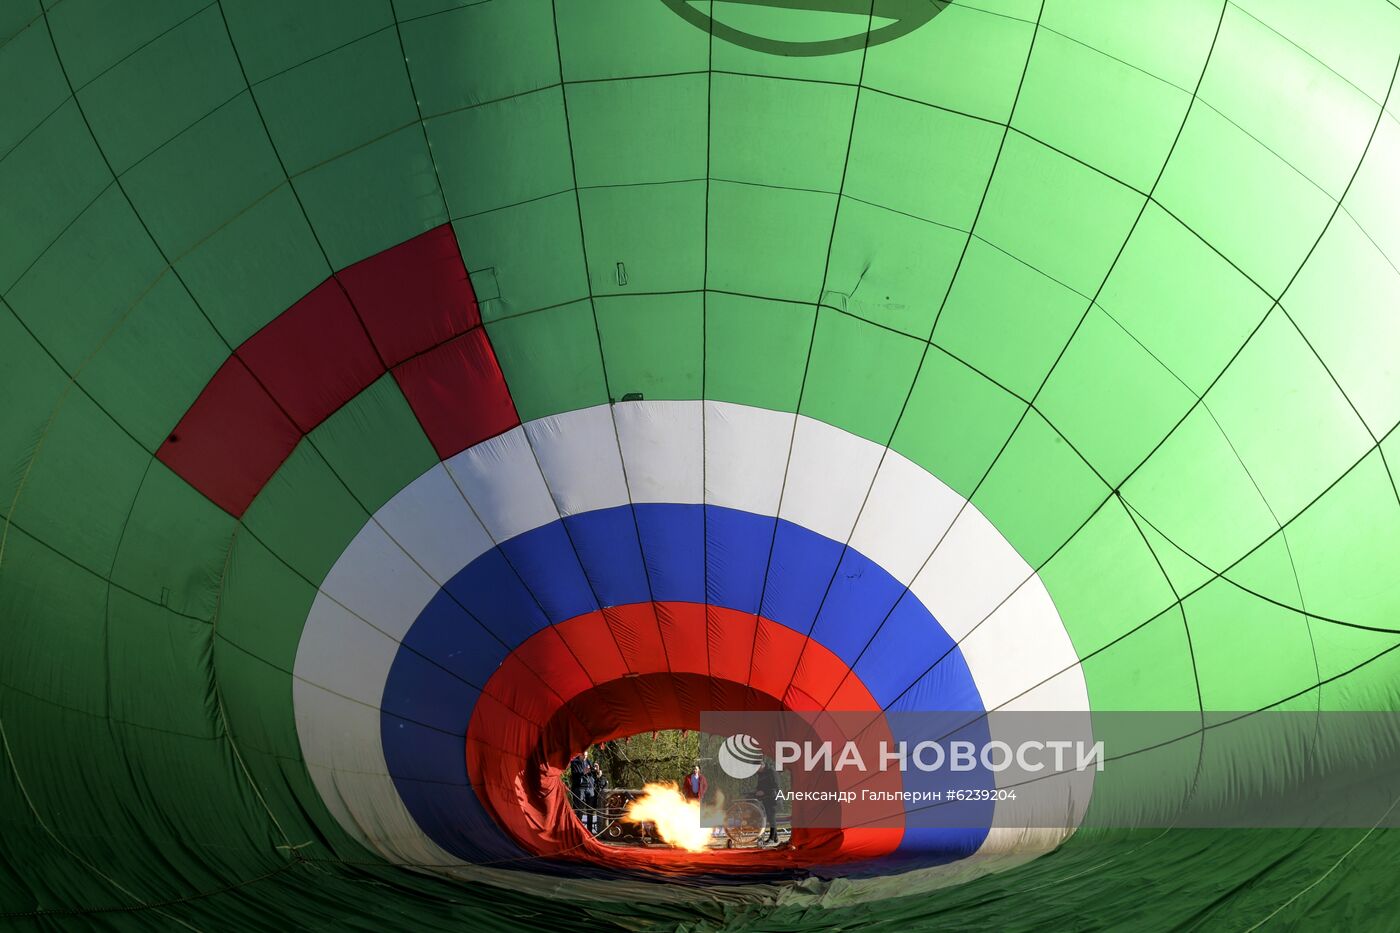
766, 790
600, 800
586, 798
579, 766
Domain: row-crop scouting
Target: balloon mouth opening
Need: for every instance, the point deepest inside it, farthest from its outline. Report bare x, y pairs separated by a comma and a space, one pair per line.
524, 789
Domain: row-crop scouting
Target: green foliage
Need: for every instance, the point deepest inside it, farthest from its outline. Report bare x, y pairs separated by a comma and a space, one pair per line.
655, 756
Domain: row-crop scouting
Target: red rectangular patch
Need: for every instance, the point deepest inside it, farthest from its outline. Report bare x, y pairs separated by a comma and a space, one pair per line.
458, 393
231, 441
313, 357
413, 296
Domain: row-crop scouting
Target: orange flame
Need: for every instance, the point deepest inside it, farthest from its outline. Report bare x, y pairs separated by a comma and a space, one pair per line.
676, 819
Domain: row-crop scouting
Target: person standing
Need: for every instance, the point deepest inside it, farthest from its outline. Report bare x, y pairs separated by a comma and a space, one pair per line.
579, 766
600, 800
694, 785
585, 791
766, 790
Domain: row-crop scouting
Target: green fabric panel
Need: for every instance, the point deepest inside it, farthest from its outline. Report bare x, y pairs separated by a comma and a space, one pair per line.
1339, 303
1197, 465
769, 242
200, 840
781, 133
859, 375
306, 513
636, 132
1135, 400
653, 344
534, 252
30, 70
1249, 47
1373, 657
337, 102
617, 39
175, 546
1149, 670
17, 16
527, 155
890, 268
1039, 491
1057, 215
149, 646
899, 146
165, 86
549, 376
956, 422
1285, 419
31, 385
453, 51
254, 266
152, 366
373, 197
71, 315
980, 54
1228, 624
756, 350
1371, 198
54, 626
1218, 176
1181, 300
273, 37
190, 187
45, 183
1185, 573
1101, 110
1030, 315
759, 20
1167, 39
97, 35
1106, 581
377, 419
1340, 546
263, 604
80, 484
647, 238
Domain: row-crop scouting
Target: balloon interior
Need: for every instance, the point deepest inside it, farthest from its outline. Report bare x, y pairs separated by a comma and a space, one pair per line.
396, 397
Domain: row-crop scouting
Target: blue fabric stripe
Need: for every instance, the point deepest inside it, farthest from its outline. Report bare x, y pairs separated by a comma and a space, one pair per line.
550, 574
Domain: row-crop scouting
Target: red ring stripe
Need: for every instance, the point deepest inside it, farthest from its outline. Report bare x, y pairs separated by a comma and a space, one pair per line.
567, 686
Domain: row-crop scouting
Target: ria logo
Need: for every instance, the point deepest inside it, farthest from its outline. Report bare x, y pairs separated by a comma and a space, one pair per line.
740, 756
874, 21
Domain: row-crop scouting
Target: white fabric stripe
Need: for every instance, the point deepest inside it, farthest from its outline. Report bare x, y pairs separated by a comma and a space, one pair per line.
746, 453
430, 520
813, 496
907, 512
378, 581
663, 450
1011, 651
358, 667
1019, 642
583, 472
970, 573
503, 483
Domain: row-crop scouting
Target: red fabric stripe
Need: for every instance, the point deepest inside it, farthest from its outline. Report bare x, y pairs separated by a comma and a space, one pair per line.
323, 351
458, 393
231, 440
413, 296
515, 762
313, 357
